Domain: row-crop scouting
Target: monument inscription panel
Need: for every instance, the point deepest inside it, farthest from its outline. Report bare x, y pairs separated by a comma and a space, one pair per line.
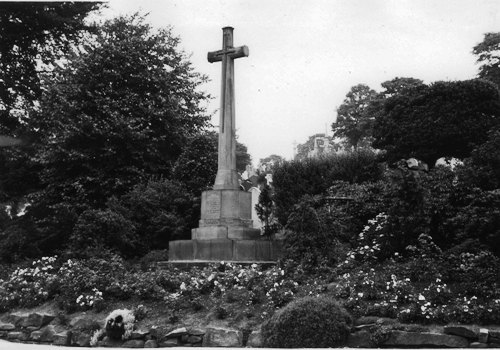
212, 210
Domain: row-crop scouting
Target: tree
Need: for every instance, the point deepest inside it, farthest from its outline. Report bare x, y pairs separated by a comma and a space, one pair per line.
488, 56
34, 35
196, 167
353, 122
444, 119
269, 162
112, 117
118, 114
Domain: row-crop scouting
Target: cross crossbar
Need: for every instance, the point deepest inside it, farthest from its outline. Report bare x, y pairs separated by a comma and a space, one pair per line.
233, 52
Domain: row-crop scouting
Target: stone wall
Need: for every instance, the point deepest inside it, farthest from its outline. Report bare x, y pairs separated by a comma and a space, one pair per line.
367, 332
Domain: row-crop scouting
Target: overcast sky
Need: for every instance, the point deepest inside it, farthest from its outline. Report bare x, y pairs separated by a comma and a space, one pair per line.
305, 55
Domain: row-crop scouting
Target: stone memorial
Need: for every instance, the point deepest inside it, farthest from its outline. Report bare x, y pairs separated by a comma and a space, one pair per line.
226, 230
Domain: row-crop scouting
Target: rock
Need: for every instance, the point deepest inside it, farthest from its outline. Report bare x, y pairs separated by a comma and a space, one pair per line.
151, 344
370, 320
107, 342
359, 339
138, 334
81, 339
224, 337
483, 335
134, 343
35, 335
255, 339
461, 331
7, 327
63, 338
177, 333
494, 345
169, 343
14, 319
196, 331
21, 336
82, 322
47, 335
3, 334
495, 334
37, 320
478, 345
193, 339
416, 339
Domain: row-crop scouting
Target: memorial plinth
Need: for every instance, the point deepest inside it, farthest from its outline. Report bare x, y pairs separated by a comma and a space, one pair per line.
225, 229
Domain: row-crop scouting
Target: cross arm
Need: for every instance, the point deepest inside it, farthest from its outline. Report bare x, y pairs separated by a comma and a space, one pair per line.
233, 52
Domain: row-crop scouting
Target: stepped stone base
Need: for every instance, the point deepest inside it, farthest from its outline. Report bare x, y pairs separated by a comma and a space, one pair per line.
225, 250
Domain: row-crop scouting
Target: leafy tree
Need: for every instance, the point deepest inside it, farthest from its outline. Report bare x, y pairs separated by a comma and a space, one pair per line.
33, 35
398, 86
118, 114
243, 158
112, 117
197, 165
269, 162
353, 122
488, 56
444, 119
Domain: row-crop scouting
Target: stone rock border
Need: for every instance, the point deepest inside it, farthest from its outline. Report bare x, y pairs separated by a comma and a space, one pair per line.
47, 329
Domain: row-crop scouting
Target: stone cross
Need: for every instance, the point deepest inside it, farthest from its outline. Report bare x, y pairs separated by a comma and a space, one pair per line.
227, 176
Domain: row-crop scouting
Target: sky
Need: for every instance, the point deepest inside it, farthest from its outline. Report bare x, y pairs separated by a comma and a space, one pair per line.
305, 55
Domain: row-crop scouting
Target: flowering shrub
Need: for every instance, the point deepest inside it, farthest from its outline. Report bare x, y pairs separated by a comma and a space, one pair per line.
29, 286
90, 300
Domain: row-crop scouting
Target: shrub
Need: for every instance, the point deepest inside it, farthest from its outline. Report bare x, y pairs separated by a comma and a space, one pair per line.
313, 176
308, 323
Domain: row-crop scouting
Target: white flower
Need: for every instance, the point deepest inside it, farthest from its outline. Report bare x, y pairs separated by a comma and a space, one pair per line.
183, 286
421, 297
360, 295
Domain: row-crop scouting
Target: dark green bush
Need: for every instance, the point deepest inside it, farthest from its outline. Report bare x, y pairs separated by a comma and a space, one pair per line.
313, 176
308, 323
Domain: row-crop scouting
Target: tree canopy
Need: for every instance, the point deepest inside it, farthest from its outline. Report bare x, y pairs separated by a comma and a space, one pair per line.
488, 56
443, 119
33, 35
353, 122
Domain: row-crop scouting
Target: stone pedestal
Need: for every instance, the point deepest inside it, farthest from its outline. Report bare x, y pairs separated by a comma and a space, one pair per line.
225, 232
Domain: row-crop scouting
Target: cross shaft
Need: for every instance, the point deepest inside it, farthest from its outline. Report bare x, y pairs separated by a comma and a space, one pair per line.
227, 176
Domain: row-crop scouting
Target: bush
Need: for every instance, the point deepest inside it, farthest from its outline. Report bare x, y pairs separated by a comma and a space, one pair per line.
313, 176
308, 323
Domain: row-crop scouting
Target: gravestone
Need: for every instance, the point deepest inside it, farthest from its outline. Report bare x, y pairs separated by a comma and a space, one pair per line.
226, 230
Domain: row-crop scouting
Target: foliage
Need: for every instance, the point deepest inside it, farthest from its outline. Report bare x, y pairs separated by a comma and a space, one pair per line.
294, 179
197, 164
308, 323
353, 122
30, 286
266, 209
34, 35
159, 210
443, 119
103, 229
112, 116
269, 162
312, 234
487, 53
